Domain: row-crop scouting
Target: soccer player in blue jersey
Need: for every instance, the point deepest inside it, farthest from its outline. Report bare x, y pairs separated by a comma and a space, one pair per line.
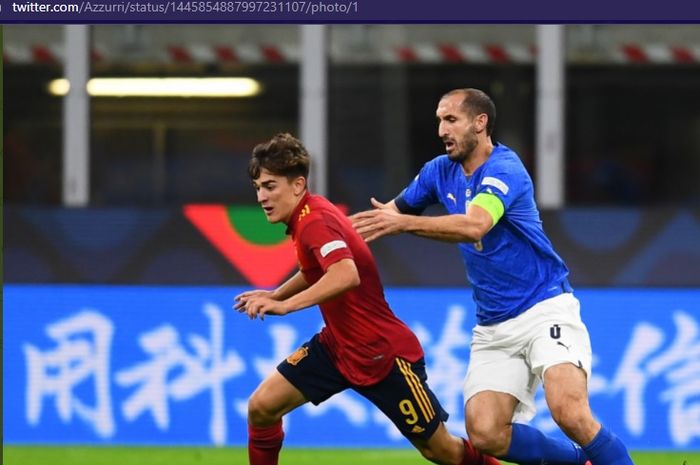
529, 328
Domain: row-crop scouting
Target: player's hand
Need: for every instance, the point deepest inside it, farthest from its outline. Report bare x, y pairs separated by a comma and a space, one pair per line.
259, 305
377, 204
240, 300
382, 221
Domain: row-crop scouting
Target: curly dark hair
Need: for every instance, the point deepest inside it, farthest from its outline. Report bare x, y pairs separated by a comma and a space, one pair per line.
283, 155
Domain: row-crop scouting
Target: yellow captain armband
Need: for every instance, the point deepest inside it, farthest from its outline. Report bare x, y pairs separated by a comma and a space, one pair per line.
492, 204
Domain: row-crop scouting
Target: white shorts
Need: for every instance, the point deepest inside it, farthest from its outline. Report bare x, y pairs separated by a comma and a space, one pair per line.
512, 356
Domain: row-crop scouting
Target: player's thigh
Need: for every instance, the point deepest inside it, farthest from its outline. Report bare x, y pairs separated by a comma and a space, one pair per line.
498, 369
272, 399
566, 392
312, 372
406, 399
559, 336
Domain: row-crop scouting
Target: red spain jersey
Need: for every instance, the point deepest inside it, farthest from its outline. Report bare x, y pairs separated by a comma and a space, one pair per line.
362, 334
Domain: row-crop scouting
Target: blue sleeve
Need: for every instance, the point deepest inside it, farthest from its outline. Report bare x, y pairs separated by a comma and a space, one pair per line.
421, 192
506, 180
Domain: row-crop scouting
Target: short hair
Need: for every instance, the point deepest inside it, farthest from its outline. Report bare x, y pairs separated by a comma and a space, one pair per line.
283, 155
475, 103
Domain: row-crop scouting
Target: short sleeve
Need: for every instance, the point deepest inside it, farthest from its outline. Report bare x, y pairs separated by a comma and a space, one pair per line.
325, 241
421, 192
506, 180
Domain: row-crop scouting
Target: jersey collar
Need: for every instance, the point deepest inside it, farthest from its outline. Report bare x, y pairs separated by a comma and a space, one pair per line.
497, 148
294, 219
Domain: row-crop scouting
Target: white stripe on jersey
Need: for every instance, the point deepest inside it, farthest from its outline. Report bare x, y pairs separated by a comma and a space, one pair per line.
495, 182
331, 246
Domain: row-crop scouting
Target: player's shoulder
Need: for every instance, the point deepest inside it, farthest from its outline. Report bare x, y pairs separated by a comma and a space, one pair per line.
504, 154
316, 209
438, 166
318, 205
440, 162
504, 171
506, 160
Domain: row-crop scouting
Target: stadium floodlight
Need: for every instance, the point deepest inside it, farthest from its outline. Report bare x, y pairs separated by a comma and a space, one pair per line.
163, 87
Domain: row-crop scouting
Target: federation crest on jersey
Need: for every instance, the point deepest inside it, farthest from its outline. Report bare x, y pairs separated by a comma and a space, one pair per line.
298, 356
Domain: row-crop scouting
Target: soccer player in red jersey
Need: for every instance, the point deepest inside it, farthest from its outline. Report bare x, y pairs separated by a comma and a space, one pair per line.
363, 345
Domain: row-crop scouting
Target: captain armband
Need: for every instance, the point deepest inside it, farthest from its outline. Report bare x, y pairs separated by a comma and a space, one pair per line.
491, 203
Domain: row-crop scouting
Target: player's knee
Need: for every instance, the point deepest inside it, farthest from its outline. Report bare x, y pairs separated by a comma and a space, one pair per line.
440, 453
259, 411
441, 448
429, 453
488, 438
572, 419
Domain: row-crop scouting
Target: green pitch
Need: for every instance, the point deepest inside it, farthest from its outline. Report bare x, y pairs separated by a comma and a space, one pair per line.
34, 455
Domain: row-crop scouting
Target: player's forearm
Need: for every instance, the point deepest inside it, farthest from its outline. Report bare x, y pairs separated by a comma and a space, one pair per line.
447, 228
340, 277
291, 287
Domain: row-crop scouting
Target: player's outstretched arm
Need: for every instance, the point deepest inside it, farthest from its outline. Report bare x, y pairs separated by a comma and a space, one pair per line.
470, 227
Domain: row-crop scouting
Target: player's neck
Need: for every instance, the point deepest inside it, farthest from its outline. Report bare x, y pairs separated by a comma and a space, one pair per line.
287, 220
481, 153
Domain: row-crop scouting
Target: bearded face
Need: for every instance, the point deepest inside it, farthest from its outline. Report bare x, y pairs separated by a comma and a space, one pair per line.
460, 146
456, 128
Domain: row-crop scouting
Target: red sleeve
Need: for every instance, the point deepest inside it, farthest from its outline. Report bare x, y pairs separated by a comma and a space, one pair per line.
325, 241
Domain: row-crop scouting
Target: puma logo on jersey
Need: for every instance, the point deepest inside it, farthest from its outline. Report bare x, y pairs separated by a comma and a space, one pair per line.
417, 429
451, 197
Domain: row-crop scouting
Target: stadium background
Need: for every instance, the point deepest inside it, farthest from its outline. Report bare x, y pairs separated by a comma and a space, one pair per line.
117, 329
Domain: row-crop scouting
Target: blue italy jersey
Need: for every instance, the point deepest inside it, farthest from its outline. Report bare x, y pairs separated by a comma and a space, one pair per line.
514, 266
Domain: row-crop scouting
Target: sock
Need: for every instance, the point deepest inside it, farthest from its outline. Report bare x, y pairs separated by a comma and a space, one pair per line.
264, 444
474, 457
607, 449
529, 446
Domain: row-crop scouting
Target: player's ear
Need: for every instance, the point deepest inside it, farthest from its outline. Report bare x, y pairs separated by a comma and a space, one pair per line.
299, 184
480, 122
